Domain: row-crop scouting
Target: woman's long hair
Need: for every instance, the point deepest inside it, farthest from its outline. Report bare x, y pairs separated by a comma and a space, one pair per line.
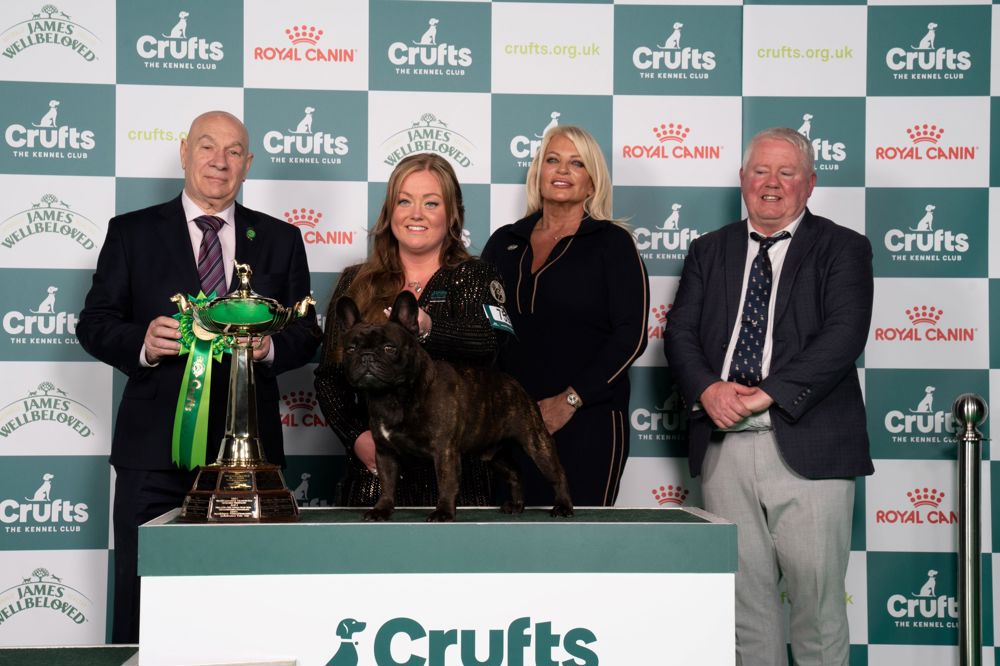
381, 277
598, 204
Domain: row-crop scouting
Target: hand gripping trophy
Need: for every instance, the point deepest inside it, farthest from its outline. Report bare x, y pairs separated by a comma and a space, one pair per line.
241, 486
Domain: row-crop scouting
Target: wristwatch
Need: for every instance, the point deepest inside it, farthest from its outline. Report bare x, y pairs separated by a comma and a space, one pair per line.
574, 400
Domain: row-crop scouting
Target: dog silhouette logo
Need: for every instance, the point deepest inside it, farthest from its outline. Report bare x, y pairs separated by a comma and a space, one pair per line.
927, 42
305, 125
179, 31
674, 40
44, 492
926, 223
926, 404
347, 653
554, 122
672, 223
301, 493
49, 119
48, 304
429, 38
928, 589
806, 125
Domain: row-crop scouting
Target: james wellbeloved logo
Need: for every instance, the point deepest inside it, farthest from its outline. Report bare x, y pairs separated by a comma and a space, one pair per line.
429, 134
42, 324
49, 26
925, 141
303, 45
928, 51
922, 507
47, 218
670, 494
48, 138
47, 403
43, 591
522, 641
668, 141
924, 320
303, 145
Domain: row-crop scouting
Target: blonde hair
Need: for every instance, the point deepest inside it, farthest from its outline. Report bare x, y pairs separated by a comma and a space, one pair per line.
598, 204
381, 277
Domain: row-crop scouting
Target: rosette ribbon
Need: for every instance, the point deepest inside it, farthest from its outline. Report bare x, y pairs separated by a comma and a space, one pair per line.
190, 438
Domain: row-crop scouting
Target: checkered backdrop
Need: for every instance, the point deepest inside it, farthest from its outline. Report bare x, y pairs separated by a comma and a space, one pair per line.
895, 97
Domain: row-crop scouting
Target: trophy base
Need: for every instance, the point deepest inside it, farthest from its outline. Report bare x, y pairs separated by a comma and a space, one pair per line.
229, 494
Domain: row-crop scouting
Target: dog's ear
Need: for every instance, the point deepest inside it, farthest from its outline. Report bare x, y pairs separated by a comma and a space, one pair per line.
347, 313
405, 311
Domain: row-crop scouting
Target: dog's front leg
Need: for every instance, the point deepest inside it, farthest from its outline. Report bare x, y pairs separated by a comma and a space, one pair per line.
388, 474
448, 468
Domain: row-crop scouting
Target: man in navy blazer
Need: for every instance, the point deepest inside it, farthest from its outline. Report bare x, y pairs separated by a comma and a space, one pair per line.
147, 257
770, 317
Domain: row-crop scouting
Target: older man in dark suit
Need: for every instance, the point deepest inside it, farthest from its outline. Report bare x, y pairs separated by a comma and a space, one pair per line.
184, 246
771, 314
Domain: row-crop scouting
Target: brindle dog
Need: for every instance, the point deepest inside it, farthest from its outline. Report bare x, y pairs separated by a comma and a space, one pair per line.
421, 407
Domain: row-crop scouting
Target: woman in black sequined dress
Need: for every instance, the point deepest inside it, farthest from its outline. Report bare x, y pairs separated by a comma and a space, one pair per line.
417, 246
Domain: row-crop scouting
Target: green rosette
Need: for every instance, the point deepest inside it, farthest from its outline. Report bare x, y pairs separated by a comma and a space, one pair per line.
190, 438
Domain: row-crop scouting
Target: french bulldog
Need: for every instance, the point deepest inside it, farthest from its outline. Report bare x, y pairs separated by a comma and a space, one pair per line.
418, 406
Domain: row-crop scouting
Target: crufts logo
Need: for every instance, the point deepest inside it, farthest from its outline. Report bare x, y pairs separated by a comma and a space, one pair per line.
49, 25
51, 216
44, 590
671, 60
670, 494
175, 50
924, 139
48, 138
924, 321
307, 219
44, 321
670, 144
428, 56
47, 403
662, 420
524, 147
922, 237
301, 493
923, 510
500, 646
923, 424
42, 513
926, 60
304, 39
925, 609
429, 134
304, 146
828, 153
670, 240
298, 410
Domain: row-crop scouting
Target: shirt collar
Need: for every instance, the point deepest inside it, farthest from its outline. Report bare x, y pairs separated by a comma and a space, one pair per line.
193, 210
791, 228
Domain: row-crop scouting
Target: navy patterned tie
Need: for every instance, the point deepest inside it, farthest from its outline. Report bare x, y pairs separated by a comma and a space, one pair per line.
210, 269
746, 365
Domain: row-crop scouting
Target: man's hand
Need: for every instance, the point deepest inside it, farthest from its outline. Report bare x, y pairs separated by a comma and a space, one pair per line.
757, 401
723, 403
262, 347
161, 339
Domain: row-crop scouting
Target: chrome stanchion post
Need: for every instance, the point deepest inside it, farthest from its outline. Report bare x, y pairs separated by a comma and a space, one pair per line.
970, 412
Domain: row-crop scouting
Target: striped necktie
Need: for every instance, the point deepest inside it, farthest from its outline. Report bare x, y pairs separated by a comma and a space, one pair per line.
210, 269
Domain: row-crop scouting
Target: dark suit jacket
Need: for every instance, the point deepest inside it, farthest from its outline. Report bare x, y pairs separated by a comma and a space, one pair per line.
822, 314
147, 258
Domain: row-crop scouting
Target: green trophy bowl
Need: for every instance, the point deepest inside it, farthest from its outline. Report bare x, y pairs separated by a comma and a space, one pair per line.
241, 486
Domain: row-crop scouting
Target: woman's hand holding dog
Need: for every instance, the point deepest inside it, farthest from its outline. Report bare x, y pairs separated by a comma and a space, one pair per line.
364, 449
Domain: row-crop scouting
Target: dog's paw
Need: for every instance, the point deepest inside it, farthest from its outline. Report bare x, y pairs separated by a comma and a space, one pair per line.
512, 507
377, 515
440, 516
561, 511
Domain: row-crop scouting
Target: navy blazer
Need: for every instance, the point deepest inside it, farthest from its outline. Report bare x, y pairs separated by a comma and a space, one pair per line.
147, 258
822, 313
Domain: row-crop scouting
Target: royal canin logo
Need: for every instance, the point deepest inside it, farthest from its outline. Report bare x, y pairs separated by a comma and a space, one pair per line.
924, 321
658, 320
670, 495
298, 410
671, 144
923, 510
307, 219
304, 48
924, 145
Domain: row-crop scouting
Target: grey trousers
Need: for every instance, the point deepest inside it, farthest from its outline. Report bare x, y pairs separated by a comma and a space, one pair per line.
788, 527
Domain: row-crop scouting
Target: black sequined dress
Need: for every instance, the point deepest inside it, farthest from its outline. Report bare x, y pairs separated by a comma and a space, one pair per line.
460, 334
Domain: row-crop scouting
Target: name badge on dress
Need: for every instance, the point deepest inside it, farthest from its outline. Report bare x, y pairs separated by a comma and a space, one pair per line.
498, 318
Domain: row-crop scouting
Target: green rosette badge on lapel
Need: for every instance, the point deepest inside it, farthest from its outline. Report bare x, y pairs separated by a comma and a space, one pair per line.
190, 437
